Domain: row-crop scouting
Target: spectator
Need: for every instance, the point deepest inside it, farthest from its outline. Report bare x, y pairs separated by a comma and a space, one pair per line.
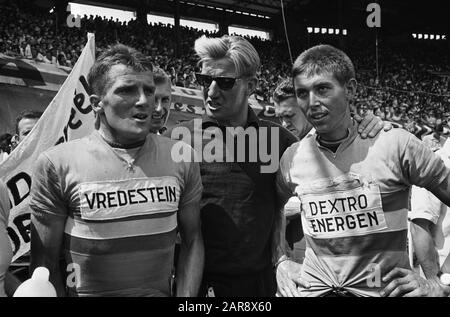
163, 98
287, 109
430, 227
25, 122
5, 146
435, 141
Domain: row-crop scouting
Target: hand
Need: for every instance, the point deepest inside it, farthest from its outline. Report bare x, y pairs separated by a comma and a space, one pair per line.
371, 125
404, 282
288, 279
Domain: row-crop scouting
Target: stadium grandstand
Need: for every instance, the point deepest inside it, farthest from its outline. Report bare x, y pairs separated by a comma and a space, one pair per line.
401, 78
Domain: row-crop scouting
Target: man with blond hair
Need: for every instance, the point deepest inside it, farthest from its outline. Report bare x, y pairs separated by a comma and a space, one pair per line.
238, 205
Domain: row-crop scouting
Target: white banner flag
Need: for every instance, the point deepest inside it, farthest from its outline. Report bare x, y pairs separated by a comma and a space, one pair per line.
69, 116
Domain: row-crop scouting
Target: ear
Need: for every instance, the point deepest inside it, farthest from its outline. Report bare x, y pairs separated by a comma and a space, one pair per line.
96, 103
251, 85
15, 139
351, 88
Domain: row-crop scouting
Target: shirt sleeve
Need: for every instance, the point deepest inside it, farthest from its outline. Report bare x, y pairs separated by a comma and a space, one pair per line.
284, 186
46, 193
424, 205
193, 188
421, 166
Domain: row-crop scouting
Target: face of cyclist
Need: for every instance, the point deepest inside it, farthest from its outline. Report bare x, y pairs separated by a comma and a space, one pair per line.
325, 103
127, 104
292, 117
227, 106
162, 106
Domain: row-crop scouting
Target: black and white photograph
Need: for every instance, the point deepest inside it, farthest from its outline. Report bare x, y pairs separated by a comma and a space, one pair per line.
246, 150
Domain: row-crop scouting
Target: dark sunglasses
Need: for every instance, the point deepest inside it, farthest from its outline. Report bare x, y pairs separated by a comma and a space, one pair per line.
224, 83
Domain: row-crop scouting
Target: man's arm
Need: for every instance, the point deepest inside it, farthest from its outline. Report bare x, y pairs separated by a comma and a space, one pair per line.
407, 283
425, 213
424, 247
46, 241
192, 253
426, 169
287, 271
442, 192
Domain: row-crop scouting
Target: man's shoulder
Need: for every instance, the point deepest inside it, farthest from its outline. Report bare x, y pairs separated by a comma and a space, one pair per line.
67, 151
395, 136
69, 147
163, 141
291, 151
284, 134
168, 146
189, 124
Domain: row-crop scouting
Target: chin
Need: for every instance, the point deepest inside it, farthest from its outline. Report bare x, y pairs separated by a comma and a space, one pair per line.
322, 130
138, 134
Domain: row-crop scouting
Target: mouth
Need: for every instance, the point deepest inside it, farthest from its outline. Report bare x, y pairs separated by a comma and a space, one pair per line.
140, 117
157, 116
213, 106
318, 116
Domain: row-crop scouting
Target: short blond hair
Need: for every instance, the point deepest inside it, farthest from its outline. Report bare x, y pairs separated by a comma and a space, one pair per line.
237, 49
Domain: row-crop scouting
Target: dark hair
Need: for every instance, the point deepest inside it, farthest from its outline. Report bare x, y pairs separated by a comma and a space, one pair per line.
160, 76
324, 59
5, 142
115, 55
27, 114
284, 90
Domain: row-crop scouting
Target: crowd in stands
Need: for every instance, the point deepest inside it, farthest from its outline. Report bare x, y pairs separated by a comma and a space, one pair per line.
405, 91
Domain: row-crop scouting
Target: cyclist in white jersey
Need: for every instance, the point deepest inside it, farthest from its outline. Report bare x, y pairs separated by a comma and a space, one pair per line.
353, 192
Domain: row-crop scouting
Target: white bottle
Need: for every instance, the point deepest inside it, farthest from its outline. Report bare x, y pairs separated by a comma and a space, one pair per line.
445, 279
37, 286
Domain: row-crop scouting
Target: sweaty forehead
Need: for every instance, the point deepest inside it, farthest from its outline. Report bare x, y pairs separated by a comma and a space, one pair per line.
288, 104
219, 67
123, 73
306, 80
163, 89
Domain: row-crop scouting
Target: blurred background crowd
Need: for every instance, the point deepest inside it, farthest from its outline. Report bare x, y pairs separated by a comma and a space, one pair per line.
404, 90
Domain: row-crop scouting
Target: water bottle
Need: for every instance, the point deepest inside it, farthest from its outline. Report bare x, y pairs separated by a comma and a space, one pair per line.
37, 286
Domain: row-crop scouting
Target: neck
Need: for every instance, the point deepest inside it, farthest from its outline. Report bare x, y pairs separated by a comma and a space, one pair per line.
338, 134
238, 121
117, 142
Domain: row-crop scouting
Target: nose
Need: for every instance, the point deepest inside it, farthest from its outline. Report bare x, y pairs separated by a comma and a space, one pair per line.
313, 100
286, 122
213, 89
144, 99
158, 105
